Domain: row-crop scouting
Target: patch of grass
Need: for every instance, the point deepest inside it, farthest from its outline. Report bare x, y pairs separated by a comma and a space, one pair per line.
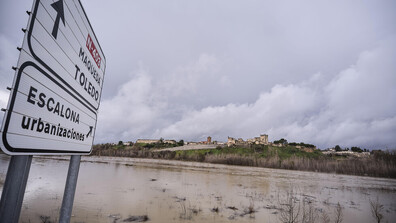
257, 151
290, 151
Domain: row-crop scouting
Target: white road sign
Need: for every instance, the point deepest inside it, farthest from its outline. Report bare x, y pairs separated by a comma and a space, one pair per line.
58, 83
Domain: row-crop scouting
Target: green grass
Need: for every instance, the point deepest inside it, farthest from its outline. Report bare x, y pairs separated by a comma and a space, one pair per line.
119, 147
253, 151
289, 151
259, 151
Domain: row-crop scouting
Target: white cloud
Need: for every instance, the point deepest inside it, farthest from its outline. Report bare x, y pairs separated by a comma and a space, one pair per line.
134, 110
4, 98
8, 58
238, 68
190, 78
3, 102
145, 104
356, 107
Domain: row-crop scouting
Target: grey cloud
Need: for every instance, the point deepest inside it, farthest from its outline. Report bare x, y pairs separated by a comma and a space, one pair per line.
260, 43
3, 99
313, 71
145, 103
356, 107
8, 59
131, 112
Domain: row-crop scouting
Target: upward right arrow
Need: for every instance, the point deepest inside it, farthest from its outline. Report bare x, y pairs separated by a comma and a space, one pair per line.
90, 130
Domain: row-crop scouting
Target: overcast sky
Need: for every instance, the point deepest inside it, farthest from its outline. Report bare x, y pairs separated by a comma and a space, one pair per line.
319, 72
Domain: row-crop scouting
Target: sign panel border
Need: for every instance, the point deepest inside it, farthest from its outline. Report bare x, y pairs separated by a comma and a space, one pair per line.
10, 140
7, 146
29, 36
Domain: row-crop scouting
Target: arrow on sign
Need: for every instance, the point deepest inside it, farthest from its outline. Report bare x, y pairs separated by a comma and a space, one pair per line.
90, 130
58, 6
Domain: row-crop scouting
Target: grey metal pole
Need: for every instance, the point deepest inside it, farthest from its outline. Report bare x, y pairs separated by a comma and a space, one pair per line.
70, 189
14, 188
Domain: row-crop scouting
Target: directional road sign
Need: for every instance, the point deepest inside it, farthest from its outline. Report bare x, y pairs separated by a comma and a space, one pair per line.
57, 88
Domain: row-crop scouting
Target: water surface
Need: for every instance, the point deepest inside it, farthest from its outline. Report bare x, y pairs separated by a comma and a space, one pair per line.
112, 189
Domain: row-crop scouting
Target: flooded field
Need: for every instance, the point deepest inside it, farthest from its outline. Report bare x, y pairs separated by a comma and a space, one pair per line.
115, 189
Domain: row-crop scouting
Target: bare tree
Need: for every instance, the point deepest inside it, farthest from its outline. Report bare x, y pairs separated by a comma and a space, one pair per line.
338, 214
290, 209
304, 216
325, 217
309, 213
376, 210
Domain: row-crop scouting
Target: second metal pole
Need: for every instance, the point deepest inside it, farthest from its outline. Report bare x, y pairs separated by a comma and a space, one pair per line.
70, 189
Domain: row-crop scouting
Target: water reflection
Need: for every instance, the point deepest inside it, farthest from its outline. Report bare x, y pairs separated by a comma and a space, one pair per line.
116, 188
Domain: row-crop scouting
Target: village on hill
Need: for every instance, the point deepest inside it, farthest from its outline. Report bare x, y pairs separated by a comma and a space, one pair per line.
240, 142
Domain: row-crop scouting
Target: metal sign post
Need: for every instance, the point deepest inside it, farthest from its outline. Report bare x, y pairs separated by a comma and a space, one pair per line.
14, 188
70, 189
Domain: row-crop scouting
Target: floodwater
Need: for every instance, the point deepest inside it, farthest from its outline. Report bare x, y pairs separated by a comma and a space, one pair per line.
113, 189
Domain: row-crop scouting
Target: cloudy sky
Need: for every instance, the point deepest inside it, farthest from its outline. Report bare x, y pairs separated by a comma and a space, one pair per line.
320, 72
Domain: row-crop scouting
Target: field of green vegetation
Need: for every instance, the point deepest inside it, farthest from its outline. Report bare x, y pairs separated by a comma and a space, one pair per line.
256, 151
378, 164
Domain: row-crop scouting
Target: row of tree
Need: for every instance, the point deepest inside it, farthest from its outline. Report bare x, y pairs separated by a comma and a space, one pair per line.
282, 141
285, 143
160, 144
353, 149
337, 147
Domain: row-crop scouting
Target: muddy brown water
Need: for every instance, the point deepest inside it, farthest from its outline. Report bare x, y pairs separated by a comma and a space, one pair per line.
113, 189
